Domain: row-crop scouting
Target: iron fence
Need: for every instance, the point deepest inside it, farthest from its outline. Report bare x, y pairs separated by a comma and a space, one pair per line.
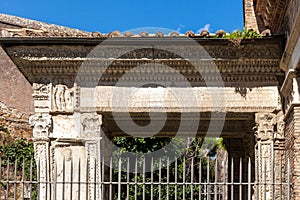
192, 178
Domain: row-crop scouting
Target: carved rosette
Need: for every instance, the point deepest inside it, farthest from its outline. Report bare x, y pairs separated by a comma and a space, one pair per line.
41, 124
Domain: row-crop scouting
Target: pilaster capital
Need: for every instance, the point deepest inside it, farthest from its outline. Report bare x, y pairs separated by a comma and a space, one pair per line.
265, 126
41, 124
91, 126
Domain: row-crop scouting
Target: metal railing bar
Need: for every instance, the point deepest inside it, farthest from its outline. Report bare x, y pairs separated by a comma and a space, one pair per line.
241, 175
7, 186
249, 178
71, 178
15, 179
264, 180
159, 180
183, 179
151, 187
128, 167
135, 178
232, 178
192, 178
144, 177
23, 177
119, 178
110, 178
79, 178
288, 180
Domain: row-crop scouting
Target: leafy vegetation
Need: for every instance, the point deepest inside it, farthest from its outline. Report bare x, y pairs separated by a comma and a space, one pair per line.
189, 164
19, 152
244, 34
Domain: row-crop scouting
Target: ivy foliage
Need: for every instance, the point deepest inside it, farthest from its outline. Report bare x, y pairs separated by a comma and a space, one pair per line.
17, 151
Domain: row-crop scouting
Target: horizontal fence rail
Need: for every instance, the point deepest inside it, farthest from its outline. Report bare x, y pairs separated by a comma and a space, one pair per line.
133, 179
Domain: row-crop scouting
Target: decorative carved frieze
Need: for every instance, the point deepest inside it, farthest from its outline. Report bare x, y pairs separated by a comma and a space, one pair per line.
63, 99
49, 98
41, 124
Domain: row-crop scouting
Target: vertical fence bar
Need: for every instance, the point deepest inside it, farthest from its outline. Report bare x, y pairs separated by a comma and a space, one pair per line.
224, 193
240, 178
39, 178
159, 180
128, 180
15, 180
110, 179
183, 179
79, 178
200, 179
95, 178
207, 177
103, 191
7, 186
23, 177
119, 178
71, 179
151, 195
280, 180
288, 180
87, 179
144, 177
216, 176
192, 179
63, 178
249, 179
30, 181
135, 179
55, 180
0, 172
176, 178
231, 191
168, 178
264, 181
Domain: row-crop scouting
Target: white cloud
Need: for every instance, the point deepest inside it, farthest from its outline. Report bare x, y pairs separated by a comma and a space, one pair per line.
180, 28
206, 27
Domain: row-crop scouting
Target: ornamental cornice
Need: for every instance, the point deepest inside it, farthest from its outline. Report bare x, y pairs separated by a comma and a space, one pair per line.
225, 50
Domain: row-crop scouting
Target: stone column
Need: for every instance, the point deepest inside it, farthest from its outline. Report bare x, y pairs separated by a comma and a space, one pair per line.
268, 155
91, 130
41, 123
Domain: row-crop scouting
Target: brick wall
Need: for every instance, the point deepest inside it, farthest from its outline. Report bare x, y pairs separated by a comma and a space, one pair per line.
15, 122
249, 15
15, 90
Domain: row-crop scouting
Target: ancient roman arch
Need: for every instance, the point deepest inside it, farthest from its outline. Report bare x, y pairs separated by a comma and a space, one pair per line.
248, 104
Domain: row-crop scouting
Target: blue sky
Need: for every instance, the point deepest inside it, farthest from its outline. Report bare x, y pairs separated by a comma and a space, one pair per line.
106, 16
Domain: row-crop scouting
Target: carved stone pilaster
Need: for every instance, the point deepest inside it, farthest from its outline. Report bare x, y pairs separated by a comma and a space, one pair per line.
264, 165
91, 132
41, 124
42, 97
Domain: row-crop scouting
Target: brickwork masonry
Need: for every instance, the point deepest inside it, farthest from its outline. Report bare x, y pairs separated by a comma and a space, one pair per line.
15, 122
